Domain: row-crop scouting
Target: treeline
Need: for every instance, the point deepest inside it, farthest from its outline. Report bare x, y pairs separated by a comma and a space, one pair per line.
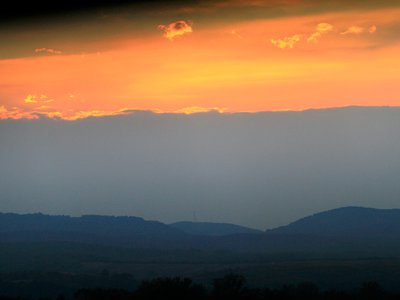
231, 286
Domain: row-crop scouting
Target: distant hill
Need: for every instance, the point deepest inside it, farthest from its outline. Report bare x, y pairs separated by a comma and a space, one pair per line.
347, 221
128, 231
213, 229
356, 230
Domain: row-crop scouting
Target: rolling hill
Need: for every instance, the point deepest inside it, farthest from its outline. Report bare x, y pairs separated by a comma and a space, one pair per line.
354, 230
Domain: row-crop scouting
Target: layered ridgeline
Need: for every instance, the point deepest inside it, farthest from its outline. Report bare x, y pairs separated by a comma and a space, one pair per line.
213, 229
349, 229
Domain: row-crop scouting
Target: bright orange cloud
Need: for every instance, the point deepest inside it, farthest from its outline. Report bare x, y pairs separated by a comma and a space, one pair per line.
286, 42
37, 99
176, 29
322, 28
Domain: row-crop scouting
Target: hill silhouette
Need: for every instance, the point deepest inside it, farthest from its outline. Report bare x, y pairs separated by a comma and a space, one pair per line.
130, 231
347, 221
213, 229
344, 230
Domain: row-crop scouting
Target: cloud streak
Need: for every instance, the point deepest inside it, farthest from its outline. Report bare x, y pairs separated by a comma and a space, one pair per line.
176, 29
16, 113
198, 109
321, 29
288, 42
47, 112
359, 30
47, 50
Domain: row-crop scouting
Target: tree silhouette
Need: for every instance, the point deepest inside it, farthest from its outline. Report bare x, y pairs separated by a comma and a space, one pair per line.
170, 289
231, 286
307, 290
371, 290
102, 294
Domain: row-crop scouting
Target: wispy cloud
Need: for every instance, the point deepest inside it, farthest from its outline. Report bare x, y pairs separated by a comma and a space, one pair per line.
321, 29
175, 29
359, 30
287, 42
30, 99
51, 113
46, 112
48, 50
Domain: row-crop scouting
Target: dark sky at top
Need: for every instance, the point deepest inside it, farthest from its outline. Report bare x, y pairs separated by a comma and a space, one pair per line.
16, 11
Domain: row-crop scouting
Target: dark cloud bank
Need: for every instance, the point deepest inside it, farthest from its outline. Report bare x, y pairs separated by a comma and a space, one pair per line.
261, 169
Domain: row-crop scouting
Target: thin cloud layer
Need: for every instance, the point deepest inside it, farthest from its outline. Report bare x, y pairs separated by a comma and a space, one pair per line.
16, 113
47, 50
359, 30
176, 29
321, 29
19, 113
198, 109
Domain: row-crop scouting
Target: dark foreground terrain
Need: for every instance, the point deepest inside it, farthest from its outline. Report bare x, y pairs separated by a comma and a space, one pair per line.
97, 257
230, 286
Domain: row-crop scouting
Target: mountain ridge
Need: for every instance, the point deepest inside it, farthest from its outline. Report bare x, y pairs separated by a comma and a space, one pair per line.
345, 221
343, 230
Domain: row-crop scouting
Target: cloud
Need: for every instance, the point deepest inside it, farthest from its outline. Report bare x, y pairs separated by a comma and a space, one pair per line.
93, 113
324, 27
287, 42
15, 113
30, 99
290, 41
176, 29
198, 109
321, 29
47, 50
51, 113
359, 30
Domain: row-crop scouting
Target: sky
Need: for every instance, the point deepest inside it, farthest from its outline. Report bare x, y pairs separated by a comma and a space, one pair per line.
254, 112
196, 56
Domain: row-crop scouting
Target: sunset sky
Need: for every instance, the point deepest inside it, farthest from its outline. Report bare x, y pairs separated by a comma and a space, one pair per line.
230, 56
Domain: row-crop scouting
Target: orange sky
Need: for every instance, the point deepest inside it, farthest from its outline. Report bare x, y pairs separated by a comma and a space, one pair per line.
291, 62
